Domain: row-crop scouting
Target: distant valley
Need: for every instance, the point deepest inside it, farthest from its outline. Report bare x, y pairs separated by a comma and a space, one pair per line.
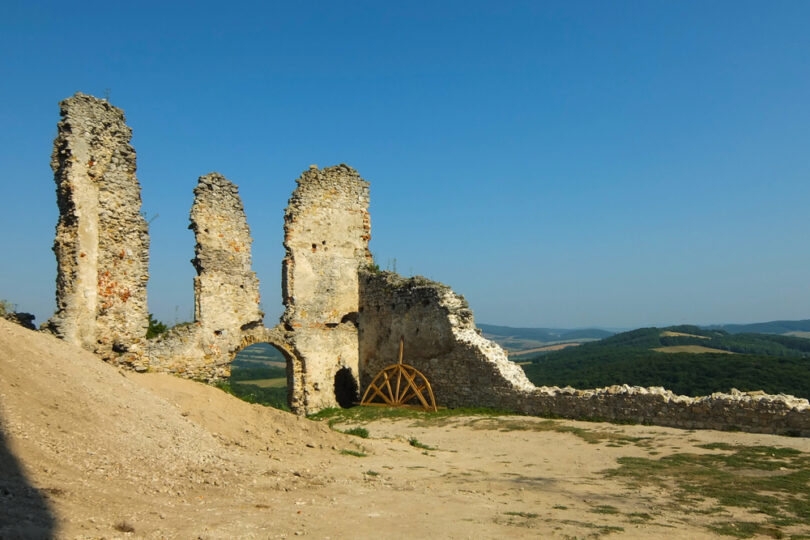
527, 341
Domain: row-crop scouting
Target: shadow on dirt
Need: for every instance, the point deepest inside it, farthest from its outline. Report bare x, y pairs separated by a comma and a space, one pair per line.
24, 510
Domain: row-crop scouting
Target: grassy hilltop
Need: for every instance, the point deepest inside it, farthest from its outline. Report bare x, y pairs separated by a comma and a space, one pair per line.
685, 359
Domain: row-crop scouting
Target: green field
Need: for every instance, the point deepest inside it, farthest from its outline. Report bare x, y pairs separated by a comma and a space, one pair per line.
259, 375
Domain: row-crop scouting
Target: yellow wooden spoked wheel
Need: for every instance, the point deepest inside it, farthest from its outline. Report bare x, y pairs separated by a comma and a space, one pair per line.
400, 385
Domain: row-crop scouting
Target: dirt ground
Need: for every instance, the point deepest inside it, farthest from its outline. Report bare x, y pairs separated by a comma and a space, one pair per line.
88, 451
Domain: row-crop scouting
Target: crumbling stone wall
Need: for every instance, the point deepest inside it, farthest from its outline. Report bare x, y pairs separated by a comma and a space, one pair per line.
441, 341
465, 369
102, 243
754, 412
326, 234
226, 290
342, 322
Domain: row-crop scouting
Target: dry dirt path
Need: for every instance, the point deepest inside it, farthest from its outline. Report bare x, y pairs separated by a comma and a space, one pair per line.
87, 451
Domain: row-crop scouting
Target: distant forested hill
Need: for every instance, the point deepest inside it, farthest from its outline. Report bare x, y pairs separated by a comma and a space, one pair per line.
773, 327
685, 359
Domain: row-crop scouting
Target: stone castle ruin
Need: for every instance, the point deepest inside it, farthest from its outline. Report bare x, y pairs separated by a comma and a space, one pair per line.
343, 319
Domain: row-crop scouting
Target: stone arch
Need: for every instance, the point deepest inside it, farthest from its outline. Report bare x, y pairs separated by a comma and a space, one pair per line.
278, 338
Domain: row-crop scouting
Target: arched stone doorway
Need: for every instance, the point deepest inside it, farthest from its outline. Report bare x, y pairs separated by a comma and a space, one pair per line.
268, 347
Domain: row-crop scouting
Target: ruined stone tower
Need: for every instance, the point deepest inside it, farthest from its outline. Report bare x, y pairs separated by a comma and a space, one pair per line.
102, 243
226, 291
327, 230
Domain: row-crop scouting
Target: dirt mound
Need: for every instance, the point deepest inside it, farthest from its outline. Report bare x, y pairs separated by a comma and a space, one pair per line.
86, 433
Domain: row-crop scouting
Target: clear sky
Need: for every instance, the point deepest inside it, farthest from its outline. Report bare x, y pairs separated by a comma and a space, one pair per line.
561, 164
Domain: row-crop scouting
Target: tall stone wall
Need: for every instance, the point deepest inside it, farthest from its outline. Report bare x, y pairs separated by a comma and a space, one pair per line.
327, 230
441, 341
226, 290
102, 243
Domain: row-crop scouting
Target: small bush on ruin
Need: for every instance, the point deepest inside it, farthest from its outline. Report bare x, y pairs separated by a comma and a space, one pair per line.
155, 327
6, 307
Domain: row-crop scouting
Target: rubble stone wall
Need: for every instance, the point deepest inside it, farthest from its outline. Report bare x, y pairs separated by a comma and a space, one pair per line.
441, 341
465, 369
102, 243
754, 412
326, 234
226, 290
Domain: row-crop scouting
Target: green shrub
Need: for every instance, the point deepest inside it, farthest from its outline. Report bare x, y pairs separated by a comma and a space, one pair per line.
155, 327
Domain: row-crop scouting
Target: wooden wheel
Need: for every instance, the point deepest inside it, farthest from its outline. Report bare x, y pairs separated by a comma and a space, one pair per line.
400, 385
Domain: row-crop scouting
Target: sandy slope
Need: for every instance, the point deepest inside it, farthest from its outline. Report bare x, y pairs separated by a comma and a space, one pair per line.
87, 451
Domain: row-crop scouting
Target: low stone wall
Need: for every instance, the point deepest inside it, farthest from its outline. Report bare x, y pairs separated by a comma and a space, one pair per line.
754, 412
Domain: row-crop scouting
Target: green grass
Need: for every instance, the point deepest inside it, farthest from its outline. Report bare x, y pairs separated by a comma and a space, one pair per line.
357, 432
354, 453
413, 441
604, 509
279, 382
370, 414
766, 480
269, 397
527, 515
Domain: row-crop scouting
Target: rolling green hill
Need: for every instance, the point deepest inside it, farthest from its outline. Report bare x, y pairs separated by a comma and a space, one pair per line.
773, 363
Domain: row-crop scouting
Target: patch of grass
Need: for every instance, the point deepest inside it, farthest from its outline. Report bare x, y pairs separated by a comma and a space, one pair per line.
124, 527
354, 453
769, 480
746, 529
413, 441
639, 517
369, 414
601, 529
589, 436
527, 515
372, 473
269, 397
559, 507
357, 432
604, 509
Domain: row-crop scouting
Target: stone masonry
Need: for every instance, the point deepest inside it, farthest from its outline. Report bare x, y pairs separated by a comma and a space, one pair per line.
102, 243
343, 320
326, 234
441, 340
226, 291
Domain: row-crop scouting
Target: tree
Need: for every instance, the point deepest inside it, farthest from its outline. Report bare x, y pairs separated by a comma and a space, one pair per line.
155, 327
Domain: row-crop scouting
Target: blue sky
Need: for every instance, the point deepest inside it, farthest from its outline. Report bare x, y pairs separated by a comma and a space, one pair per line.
561, 164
